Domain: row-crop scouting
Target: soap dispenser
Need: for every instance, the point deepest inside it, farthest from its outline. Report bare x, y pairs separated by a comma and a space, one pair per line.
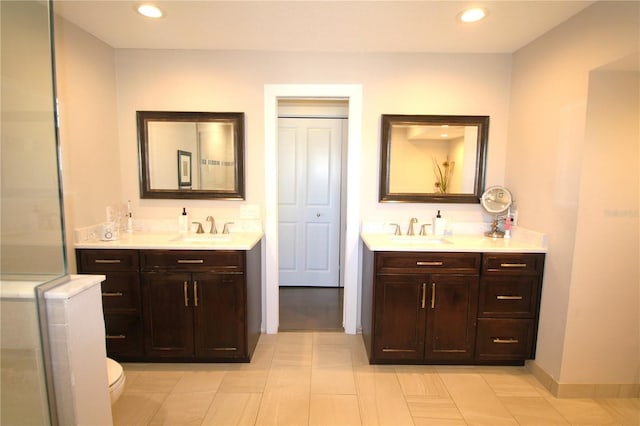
438, 224
183, 221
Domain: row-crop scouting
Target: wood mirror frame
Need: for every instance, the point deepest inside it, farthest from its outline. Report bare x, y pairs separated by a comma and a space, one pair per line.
420, 171
181, 179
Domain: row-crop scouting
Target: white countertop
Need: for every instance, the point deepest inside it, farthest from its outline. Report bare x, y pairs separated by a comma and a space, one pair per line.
454, 243
176, 241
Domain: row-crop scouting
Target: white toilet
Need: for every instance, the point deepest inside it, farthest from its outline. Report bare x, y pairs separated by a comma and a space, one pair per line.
116, 379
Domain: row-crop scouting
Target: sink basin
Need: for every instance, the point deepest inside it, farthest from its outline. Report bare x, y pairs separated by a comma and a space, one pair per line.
419, 239
203, 238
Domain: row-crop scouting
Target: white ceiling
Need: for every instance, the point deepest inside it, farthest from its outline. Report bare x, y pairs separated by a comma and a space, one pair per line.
319, 26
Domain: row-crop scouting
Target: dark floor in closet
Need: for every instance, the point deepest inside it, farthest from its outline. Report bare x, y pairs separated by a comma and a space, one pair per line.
311, 308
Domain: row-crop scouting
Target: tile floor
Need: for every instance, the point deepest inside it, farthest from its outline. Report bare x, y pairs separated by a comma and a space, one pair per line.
323, 378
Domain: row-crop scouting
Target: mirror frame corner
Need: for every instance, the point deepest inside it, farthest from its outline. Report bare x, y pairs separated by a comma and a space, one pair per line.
143, 117
388, 120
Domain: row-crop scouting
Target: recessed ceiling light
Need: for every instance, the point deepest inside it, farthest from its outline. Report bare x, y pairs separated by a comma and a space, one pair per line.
473, 14
150, 11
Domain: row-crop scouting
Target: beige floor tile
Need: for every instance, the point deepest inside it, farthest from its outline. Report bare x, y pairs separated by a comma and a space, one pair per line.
233, 409
287, 405
289, 376
421, 381
380, 397
334, 410
155, 381
434, 411
333, 338
534, 411
333, 380
510, 383
625, 411
292, 354
133, 409
295, 338
331, 356
183, 409
582, 411
475, 399
199, 381
244, 381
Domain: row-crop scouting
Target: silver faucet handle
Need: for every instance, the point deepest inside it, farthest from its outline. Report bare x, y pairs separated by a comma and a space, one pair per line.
225, 230
213, 229
199, 230
398, 231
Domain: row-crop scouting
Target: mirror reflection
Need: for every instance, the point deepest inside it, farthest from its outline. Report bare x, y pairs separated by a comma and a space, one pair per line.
191, 154
433, 158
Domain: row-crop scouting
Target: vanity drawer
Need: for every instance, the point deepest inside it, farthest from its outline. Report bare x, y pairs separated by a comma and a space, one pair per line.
418, 262
100, 261
192, 260
509, 296
123, 336
508, 263
121, 292
504, 339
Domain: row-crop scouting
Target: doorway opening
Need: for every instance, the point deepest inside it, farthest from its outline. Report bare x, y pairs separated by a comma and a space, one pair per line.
311, 145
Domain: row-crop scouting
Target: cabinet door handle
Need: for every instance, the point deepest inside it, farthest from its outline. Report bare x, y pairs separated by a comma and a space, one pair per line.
190, 261
185, 287
106, 261
419, 263
115, 336
509, 340
433, 295
513, 265
112, 294
500, 297
424, 294
195, 293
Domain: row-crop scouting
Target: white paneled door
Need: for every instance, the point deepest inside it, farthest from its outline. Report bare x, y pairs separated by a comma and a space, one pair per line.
309, 182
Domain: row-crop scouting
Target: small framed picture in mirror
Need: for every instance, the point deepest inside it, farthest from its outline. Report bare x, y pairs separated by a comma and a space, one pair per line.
184, 169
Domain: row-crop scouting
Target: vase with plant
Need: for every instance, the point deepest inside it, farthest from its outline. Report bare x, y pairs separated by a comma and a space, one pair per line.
443, 173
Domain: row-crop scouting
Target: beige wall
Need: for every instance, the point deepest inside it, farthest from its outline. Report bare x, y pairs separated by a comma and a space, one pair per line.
551, 164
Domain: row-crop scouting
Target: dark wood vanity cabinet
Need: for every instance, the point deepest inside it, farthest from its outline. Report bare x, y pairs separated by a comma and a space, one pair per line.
423, 306
509, 306
179, 305
121, 301
194, 304
458, 308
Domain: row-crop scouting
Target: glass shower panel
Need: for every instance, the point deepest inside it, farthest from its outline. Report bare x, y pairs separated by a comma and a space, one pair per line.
31, 226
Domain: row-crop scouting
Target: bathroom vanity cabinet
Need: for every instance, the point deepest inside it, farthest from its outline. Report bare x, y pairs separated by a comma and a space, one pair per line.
450, 308
190, 305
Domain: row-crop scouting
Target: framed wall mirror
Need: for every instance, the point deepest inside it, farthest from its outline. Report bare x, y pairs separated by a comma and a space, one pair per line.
191, 154
433, 158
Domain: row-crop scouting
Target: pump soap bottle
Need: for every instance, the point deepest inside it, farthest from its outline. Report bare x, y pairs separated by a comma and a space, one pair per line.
438, 224
183, 221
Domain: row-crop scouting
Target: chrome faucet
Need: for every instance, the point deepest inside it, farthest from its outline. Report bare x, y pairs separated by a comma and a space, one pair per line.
213, 229
199, 230
225, 230
411, 222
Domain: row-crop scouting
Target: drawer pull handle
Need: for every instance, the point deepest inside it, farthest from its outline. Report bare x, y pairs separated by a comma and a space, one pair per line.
226, 349
507, 341
112, 294
190, 261
185, 288
424, 294
107, 261
195, 293
115, 336
428, 263
509, 297
433, 295
513, 265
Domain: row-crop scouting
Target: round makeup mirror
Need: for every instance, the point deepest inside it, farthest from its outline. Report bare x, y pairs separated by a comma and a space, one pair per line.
496, 200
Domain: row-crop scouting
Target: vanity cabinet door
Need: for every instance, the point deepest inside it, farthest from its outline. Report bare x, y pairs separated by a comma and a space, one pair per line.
399, 317
219, 320
168, 319
451, 317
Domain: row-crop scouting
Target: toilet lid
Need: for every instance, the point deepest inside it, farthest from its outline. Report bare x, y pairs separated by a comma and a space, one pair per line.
114, 371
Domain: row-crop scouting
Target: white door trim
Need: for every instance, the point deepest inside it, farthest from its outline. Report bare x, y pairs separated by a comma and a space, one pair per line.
353, 93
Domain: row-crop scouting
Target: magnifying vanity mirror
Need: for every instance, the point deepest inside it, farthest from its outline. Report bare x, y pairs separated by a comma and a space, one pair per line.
191, 154
433, 158
496, 200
